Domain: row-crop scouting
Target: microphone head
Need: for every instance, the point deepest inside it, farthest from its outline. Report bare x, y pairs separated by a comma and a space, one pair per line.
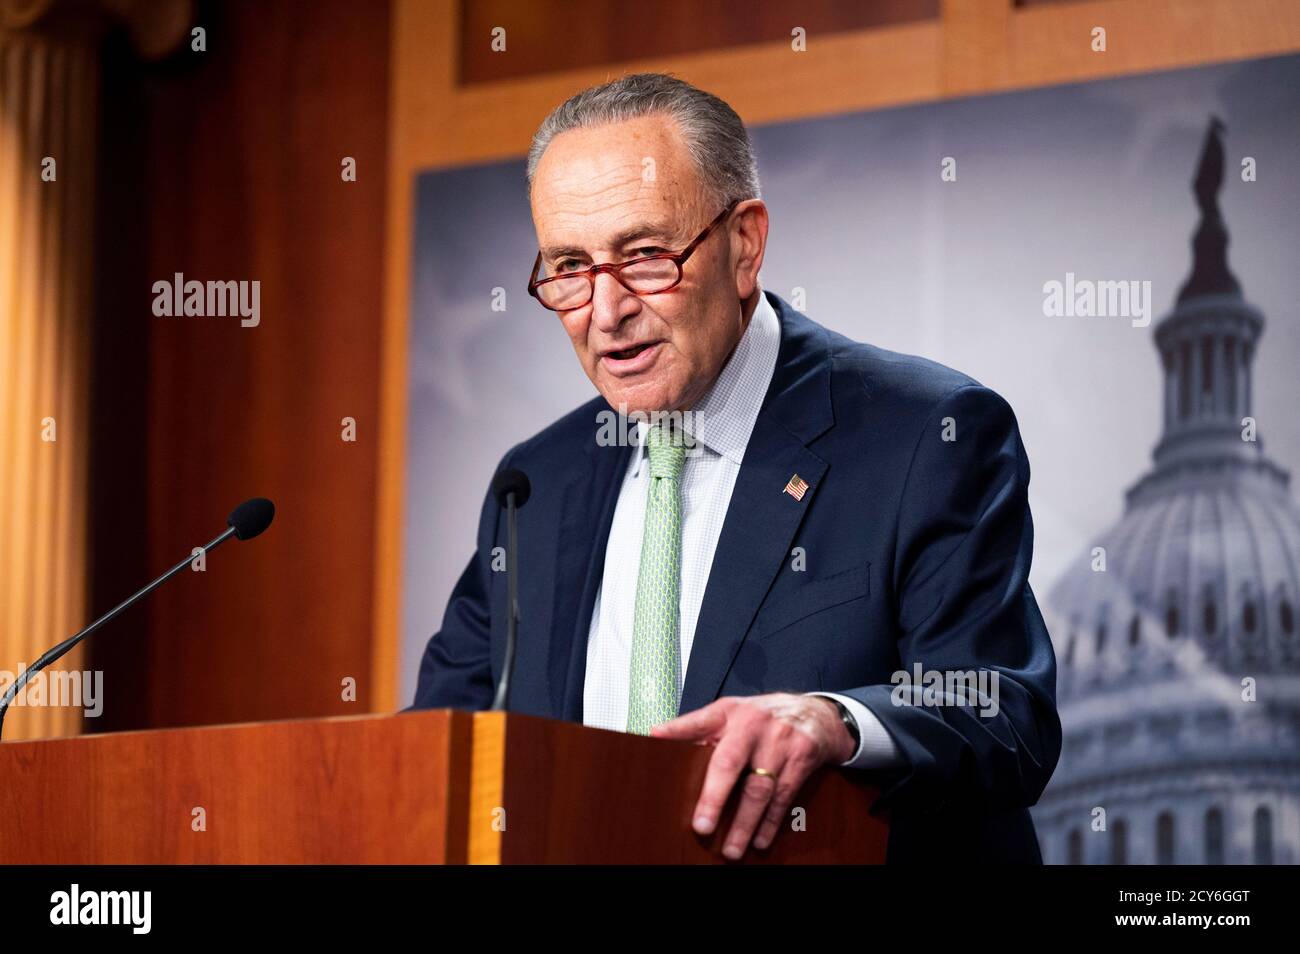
251, 517
511, 481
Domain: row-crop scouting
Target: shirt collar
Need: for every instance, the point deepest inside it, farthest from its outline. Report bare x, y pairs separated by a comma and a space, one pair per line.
724, 418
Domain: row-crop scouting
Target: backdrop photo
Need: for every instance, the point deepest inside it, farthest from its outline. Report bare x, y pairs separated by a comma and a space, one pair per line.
1041, 242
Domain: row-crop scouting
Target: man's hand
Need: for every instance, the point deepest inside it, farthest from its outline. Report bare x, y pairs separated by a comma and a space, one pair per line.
789, 736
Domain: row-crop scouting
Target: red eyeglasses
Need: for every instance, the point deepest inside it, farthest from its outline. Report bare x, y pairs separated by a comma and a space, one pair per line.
647, 275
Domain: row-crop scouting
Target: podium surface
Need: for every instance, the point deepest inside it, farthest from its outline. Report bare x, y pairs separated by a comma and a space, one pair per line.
431, 787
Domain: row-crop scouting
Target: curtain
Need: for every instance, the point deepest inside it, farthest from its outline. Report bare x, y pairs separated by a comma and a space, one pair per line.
48, 103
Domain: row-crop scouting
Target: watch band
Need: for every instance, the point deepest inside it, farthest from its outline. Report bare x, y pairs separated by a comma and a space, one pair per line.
850, 723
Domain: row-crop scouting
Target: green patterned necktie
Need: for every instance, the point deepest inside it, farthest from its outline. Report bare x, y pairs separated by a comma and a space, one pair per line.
656, 650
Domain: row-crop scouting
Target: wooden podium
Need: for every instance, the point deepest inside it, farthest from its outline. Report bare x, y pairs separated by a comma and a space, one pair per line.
430, 787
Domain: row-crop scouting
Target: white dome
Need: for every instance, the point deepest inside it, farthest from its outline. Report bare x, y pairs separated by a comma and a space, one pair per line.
1177, 633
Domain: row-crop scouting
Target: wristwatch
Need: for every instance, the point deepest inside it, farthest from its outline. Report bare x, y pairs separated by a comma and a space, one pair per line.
850, 723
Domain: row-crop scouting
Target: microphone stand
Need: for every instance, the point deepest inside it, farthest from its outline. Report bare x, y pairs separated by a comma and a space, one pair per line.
64, 647
512, 604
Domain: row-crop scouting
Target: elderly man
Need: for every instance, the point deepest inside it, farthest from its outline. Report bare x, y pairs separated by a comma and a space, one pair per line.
801, 542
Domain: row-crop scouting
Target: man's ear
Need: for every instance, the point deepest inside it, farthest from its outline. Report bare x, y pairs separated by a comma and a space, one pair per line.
748, 243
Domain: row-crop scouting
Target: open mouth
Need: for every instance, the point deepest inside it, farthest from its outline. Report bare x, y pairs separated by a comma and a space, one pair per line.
628, 353
636, 359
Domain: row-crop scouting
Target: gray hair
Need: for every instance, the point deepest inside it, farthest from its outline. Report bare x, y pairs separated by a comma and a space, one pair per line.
715, 137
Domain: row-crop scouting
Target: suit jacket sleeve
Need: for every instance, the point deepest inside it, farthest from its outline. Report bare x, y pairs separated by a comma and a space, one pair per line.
456, 670
961, 583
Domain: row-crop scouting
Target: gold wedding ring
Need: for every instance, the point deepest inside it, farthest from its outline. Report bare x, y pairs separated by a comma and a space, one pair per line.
759, 771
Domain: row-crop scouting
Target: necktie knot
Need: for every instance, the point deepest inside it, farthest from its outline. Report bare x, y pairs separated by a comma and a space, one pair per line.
667, 450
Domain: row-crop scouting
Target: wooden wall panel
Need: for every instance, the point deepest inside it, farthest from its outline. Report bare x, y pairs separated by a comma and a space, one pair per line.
553, 35
226, 166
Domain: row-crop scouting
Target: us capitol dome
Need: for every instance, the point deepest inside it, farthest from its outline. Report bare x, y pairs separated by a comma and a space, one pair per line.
1176, 637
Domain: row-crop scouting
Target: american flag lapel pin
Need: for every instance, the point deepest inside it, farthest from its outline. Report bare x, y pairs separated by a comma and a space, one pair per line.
797, 487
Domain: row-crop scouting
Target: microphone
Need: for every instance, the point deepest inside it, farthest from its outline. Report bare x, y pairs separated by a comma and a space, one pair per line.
250, 518
246, 521
512, 489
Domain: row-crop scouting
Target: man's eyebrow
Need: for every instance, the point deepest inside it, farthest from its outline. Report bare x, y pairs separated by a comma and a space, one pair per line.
648, 230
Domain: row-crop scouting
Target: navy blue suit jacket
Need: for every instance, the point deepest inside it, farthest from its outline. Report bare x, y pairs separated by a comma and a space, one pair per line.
915, 549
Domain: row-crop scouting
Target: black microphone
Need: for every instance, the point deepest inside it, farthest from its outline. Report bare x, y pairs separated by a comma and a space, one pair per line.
511, 488
246, 521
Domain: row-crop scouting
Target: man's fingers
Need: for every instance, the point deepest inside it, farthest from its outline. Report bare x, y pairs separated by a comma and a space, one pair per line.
793, 775
702, 723
729, 759
755, 795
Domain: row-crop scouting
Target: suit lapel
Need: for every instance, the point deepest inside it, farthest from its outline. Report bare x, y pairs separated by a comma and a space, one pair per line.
756, 536
762, 519
586, 514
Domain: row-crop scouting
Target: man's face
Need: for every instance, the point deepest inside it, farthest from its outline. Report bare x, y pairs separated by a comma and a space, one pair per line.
594, 201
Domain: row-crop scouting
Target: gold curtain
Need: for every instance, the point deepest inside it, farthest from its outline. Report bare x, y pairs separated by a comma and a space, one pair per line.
48, 108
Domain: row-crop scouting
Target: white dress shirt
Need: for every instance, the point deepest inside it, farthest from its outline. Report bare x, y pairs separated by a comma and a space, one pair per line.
720, 424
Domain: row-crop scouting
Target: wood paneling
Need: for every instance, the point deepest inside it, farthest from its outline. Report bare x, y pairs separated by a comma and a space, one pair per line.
397, 789
543, 36
227, 167
573, 795
368, 790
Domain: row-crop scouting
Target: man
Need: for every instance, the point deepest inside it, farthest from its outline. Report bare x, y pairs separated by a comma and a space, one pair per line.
799, 533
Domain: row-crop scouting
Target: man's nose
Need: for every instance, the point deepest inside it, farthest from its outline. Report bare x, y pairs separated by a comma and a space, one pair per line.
611, 303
